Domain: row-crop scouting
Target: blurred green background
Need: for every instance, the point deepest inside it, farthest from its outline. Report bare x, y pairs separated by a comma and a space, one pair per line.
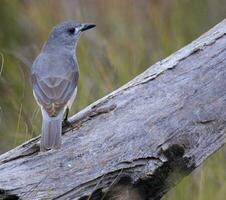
130, 36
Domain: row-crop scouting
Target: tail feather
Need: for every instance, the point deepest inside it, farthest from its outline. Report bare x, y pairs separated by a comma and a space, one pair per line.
51, 132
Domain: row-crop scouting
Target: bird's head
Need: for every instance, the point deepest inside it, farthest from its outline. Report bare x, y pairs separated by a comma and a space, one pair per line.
66, 34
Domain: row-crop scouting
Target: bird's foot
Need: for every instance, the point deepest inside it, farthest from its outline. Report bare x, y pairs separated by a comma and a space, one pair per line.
66, 124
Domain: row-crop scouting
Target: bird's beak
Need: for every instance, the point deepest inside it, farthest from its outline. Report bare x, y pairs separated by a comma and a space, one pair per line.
87, 26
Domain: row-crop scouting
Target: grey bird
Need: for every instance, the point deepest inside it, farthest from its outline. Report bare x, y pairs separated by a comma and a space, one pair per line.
54, 77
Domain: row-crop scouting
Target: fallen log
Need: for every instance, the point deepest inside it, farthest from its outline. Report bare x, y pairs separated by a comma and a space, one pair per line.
145, 136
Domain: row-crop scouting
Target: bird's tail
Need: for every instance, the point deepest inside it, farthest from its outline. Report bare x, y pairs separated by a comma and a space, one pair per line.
51, 132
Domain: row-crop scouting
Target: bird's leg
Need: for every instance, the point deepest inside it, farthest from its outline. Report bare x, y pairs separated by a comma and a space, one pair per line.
66, 123
66, 114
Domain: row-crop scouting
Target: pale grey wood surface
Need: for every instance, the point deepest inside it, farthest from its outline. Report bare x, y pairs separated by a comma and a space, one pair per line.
167, 120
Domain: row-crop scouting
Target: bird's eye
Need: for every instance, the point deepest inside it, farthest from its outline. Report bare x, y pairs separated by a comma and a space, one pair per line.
71, 31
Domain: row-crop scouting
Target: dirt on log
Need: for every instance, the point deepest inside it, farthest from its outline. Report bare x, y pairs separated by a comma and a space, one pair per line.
145, 136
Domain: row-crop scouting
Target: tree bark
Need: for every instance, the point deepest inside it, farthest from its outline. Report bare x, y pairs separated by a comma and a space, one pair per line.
144, 137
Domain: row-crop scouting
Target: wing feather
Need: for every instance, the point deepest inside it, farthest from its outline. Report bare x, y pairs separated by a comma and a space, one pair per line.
53, 90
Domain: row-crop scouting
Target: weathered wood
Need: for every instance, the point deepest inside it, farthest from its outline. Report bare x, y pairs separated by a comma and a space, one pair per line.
164, 122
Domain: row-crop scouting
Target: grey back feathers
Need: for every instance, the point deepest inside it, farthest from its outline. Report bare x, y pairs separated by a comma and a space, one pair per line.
55, 77
55, 81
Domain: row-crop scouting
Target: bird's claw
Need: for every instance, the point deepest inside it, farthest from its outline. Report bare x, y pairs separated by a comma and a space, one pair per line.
66, 123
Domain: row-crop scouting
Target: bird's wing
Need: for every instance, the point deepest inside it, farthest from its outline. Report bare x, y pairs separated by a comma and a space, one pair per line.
53, 91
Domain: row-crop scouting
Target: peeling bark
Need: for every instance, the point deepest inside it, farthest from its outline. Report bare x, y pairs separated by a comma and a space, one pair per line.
143, 137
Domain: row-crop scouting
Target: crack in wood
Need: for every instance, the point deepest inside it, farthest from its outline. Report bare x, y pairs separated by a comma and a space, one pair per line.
83, 117
155, 185
138, 160
5, 196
